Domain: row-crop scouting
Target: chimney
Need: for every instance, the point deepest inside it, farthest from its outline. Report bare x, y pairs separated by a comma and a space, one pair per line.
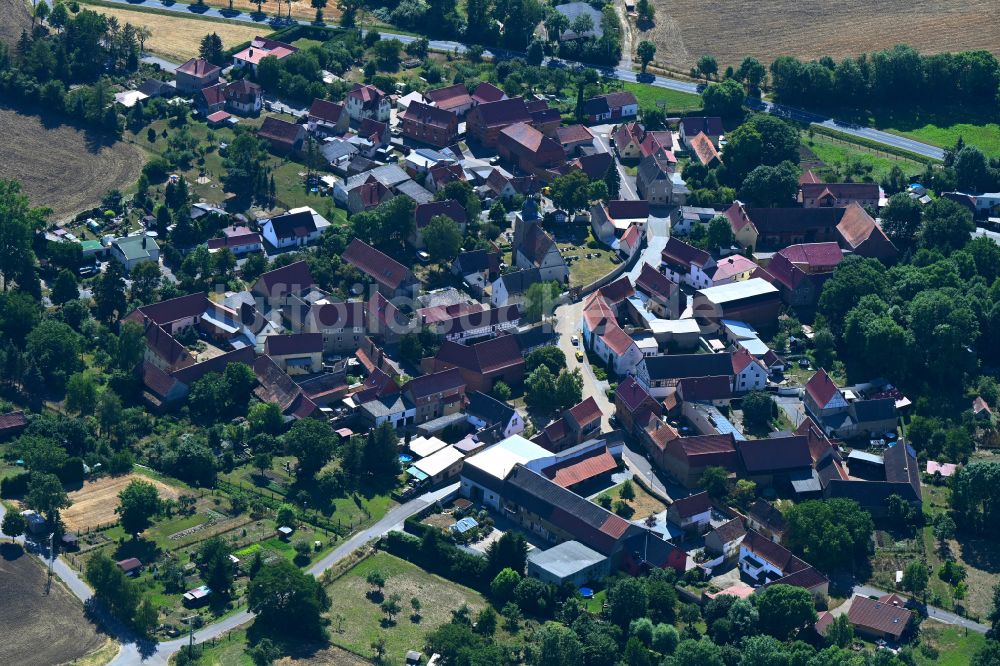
144, 242
250, 52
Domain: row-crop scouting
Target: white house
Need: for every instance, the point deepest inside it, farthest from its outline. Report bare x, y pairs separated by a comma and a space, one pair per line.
617, 349
367, 101
685, 263
749, 374
297, 227
130, 251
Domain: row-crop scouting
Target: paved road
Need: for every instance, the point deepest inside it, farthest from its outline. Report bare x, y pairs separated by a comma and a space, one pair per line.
938, 614
568, 321
627, 190
133, 653
793, 408
623, 73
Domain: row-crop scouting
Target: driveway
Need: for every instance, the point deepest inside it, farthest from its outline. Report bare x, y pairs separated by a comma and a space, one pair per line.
568, 320
628, 191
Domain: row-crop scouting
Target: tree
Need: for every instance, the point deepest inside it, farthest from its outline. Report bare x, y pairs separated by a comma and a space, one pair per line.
557, 645
536, 52
502, 587
613, 180
216, 567
571, 192
443, 238
555, 24
915, 577
376, 580
707, 66
510, 551
264, 653
211, 49
81, 393
266, 418
701, 652
901, 219
13, 524
988, 654
65, 287
719, 234
287, 601
486, 621
627, 601
245, 162
784, 609
972, 171
137, 504
994, 616
840, 632
762, 139
753, 72
853, 278
109, 293
744, 493
947, 226
771, 185
146, 279
646, 52
46, 495
54, 348
627, 492
715, 481
975, 498
723, 99
758, 411
391, 607
540, 300
312, 442
549, 355
832, 535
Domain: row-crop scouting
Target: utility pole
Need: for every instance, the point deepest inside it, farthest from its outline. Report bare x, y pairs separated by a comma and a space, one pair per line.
52, 554
190, 621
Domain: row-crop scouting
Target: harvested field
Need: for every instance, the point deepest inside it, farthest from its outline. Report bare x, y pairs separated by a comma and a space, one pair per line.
95, 503
40, 628
813, 29
62, 167
177, 37
14, 18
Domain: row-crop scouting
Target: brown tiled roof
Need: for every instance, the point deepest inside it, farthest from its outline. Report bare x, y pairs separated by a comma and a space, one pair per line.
581, 468
326, 111
248, 238
710, 125
12, 421
376, 264
372, 129
654, 283
213, 95
423, 213
840, 190
621, 98
730, 531
435, 382
794, 220
704, 149
291, 279
279, 130
504, 112
618, 291
718, 387
488, 356
678, 252
878, 616
821, 388
435, 314
631, 394
345, 314
171, 309
738, 217
198, 67
692, 505
433, 116
816, 256
450, 97
574, 134
654, 141
863, 234
741, 360
627, 210
166, 347
297, 343
775, 454
486, 92
530, 139
767, 514
617, 340
537, 243
156, 380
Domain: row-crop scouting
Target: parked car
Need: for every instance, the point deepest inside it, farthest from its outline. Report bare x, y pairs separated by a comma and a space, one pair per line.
575, 340
579, 356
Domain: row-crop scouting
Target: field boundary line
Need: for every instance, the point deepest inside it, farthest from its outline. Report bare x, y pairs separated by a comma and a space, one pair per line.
867, 143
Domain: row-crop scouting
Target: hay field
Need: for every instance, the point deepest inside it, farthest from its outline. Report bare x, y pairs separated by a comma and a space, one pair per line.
177, 37
62, 167
95, 503
733, 29
40, 628
14, 18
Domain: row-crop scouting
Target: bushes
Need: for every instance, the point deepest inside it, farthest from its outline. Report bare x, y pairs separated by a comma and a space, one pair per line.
434, 553
14, 486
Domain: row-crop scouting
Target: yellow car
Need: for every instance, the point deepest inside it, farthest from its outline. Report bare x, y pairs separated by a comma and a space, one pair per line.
579, 356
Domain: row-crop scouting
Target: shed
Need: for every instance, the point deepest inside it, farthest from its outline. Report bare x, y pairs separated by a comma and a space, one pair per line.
570, 561
285, 532
197, 596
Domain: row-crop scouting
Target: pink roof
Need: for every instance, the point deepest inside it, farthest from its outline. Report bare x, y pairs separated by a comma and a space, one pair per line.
739, 590
732, 266
616, 339
217, 117
944, 469
814, 255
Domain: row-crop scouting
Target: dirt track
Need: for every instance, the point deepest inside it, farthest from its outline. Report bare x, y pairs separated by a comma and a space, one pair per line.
95, 503
63, 168
39, 628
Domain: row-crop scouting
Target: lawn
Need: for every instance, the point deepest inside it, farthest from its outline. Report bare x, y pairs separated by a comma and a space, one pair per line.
642, 506
676, 101
836, 155
584, 269
230, 650
356, 620
985, 137
177, 37
955, 646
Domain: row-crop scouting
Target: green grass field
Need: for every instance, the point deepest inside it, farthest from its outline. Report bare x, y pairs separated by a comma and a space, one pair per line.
985, 137
677, 102
362, 619
955, 647
833, 152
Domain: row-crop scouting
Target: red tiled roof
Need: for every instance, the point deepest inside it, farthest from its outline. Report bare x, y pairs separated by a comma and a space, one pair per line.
326, 111
581, 468
620, 99
817, 256
424, 114
489, 356
437, 313
435, 382
423, 213
631, 393
376, 264
585, 412
504, 112
679, 252
840, 190
12, 420
821, 388
279, 130
290, 279
198, 67
449, 97
213, 95
718, 387
704, 149
733, 265
617, 291
741, 360
631, 237
617, 340
368, 94
574, 134
486, 92
654, 283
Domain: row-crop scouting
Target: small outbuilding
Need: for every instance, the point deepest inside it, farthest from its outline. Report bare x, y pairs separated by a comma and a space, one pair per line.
570, 561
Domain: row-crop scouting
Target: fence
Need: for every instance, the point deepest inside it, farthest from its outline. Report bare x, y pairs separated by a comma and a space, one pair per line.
275, 500
615, 273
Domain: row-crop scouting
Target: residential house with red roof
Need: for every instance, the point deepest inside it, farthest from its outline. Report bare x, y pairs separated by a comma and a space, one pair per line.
780, 460
260, 48
611, 219
366, 101
749, 374
659, 293
767, 229
691, 126
885, 618
479, 322
634, 406
686, 458
770, 563
574, 426
195, 74
454, 99
393, 279
283, 137
244, 98
483, 364
429, 124
574, 137
578, 472
529, 149
822, 398
367, 195
838, 195
735, 268
237, 239
628, 139
687, 264
440, 175
436, 394
327, 118
716, 390
692, 513
486, 92
12, 423
800, 271
611, 107
275, 287
485, 121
